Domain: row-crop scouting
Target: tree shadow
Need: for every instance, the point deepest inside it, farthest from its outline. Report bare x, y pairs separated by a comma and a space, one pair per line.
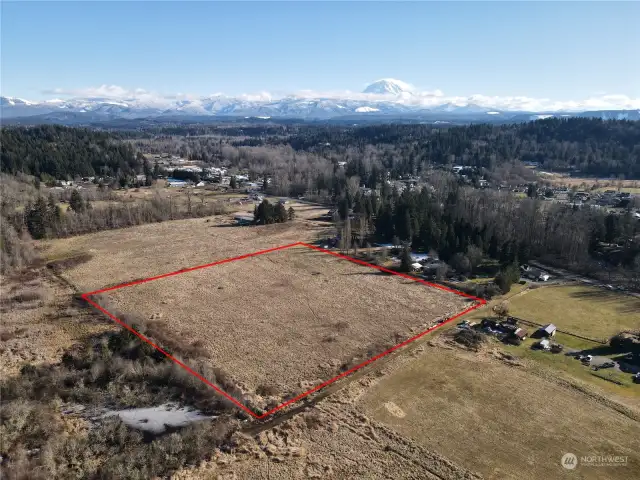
622, 303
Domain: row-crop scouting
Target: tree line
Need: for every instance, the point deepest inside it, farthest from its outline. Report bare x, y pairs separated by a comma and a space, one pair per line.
56, 152
464, 225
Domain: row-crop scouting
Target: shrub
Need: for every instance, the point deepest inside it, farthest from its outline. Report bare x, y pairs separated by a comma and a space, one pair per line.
470, 338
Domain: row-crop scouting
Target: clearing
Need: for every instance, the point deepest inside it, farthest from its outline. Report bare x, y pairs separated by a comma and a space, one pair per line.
501, 420
284, 321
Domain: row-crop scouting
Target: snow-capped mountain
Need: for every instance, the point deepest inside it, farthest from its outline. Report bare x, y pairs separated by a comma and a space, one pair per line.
388, 98
388, 86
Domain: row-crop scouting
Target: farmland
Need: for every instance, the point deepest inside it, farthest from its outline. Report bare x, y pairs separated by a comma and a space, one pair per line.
500, 419
288, 318
583, 310
118, 256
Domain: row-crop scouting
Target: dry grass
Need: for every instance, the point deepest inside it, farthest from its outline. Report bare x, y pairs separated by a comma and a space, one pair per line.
501, 420
289, 317
583, 310
147, 250
588, 183
36, 324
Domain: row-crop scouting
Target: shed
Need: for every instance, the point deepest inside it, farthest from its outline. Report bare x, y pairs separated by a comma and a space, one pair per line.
547, 330
521, 333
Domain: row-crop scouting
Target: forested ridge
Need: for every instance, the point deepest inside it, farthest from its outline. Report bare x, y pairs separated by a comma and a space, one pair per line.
590, 147
65, 152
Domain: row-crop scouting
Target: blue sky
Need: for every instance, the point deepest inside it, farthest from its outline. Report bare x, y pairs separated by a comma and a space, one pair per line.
553, 50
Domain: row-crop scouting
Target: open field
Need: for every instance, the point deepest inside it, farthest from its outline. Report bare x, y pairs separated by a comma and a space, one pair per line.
583, 310
288, 319
118, 256
589, 183
500, 420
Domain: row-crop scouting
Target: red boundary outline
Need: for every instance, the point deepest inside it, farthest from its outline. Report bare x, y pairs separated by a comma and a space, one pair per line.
86, 296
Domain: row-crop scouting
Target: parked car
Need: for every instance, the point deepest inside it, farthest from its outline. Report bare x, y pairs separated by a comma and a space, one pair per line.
587, 359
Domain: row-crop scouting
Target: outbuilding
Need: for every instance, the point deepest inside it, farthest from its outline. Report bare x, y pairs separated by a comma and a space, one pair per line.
547, 331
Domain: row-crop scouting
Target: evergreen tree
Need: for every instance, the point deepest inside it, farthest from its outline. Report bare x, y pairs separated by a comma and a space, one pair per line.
291, 213
76, 203
234, 183
280, 213
38, 219
507, 276
405, 259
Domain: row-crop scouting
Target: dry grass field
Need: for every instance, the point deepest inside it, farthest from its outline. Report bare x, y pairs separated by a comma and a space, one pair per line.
588, 183
123, 255
288, 319
283, 320
501, 420
589, 311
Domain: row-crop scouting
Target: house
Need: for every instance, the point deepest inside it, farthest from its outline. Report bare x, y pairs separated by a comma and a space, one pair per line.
547, 331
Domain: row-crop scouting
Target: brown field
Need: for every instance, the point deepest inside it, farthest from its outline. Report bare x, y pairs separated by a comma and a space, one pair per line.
290, 317
281, 320
138, 252
632, 186
501, 420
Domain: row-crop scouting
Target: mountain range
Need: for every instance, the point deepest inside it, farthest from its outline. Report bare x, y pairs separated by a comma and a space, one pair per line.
388, 99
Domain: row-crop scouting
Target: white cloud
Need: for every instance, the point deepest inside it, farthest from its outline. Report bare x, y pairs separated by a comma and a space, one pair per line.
424, 99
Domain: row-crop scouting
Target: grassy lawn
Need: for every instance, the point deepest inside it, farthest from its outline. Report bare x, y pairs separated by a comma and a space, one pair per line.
574, 367
568, 307
583, 310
